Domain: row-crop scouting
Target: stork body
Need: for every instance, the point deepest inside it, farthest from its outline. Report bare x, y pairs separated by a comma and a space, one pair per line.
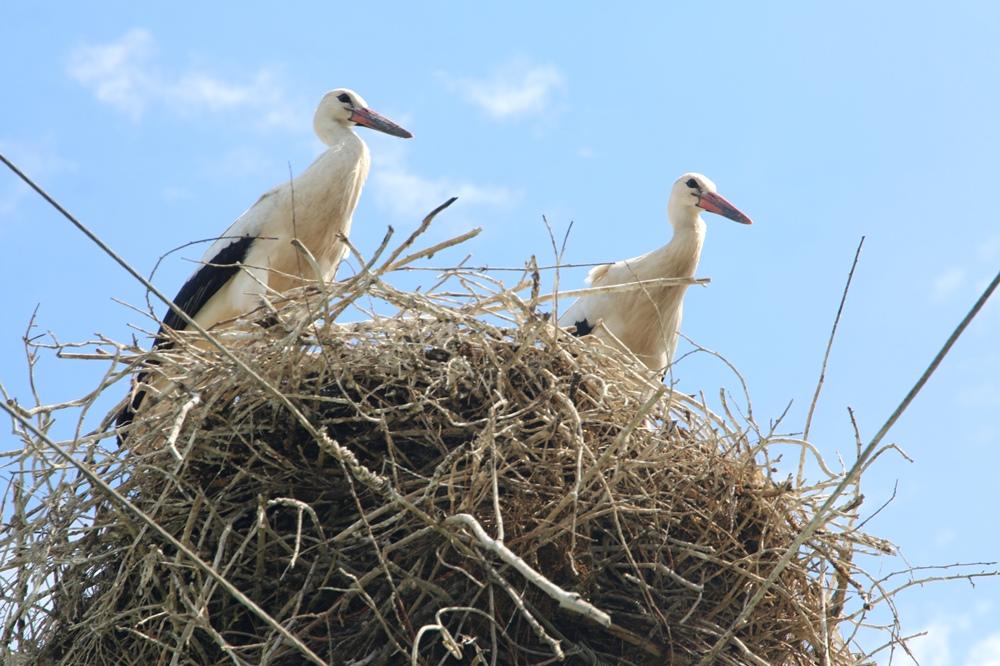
255, 256
646, 321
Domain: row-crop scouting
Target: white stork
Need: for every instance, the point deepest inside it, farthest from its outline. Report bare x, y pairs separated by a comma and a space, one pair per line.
255, 255
646, 320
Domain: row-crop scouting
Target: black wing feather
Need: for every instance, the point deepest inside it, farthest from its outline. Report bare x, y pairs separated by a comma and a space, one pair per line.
582, 328
192, 297
204, 284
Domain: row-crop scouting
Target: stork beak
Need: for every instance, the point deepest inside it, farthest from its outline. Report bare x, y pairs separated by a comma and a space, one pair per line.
716, 203
369, 118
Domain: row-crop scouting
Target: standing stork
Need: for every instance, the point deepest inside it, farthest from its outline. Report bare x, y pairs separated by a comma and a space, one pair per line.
646, 321
255, 256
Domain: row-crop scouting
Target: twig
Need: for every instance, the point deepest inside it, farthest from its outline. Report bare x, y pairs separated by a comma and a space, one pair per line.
826, 358
570, 601
850, 478
120, 499
175, 431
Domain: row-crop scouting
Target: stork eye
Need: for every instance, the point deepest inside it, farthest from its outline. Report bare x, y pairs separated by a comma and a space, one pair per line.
692, 183
345, 98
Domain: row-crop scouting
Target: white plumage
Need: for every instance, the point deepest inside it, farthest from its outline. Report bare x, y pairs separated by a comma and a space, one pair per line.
646, 320
255, 256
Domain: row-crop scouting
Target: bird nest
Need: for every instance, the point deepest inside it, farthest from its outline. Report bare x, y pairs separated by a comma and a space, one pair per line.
458, 481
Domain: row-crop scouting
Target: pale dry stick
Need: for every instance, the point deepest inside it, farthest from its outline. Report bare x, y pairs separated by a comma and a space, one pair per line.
557, 253
970, 577
624, 286
894, 640
495, 484
31, 412
367, 598
319, 279
223, 582
426, 222
824, 630
366, 476
301, 507
732, 368
570, 601
506, 269
826, 358
366, 266
804, 446
599, 464
850, 478
173, 306
443, 278
450, 644
522, 607
434, 249
574, 494
395, 598
175, 431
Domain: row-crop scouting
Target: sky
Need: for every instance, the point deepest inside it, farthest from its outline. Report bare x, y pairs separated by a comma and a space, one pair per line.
825, 122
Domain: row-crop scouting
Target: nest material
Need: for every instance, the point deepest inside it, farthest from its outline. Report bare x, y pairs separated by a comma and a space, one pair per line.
476, 478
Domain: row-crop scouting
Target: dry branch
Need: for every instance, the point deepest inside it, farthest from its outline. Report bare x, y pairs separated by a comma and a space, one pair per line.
345, 478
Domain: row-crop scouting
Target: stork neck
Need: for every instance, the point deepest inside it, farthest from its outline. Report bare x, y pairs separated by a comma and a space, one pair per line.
331, 132
688, 225
684, 249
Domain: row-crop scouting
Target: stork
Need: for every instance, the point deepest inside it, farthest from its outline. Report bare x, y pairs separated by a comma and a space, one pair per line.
255, 255
646, 321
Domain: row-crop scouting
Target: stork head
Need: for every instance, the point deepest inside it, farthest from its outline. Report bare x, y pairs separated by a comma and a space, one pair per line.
344, 108
693, 193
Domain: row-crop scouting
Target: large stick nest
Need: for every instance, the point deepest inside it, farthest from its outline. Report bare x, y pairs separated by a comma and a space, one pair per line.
484, 487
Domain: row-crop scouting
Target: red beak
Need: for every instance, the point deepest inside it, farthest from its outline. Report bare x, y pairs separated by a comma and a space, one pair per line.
369, 118
716, 203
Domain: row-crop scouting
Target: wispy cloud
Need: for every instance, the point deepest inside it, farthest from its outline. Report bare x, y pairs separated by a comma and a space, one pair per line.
986, 652
116, 71
124, 75
947, 283
516, 89
408, 194
934, 647
958, 640
38, 159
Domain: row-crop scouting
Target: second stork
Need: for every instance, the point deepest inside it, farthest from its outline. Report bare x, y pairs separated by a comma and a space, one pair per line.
644, 320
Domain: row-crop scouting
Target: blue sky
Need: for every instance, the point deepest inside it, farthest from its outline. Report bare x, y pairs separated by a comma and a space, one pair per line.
824, 123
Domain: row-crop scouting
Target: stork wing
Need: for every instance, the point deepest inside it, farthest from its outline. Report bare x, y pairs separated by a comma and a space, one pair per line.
584, 312
221, 261
204, 284
597, 274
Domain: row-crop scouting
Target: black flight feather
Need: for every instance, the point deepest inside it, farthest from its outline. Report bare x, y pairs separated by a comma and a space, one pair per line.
582, 328
196, 292
205, 283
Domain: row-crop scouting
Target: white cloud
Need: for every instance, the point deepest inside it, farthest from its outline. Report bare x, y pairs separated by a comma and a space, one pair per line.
517, 89
116, 71
934, 647
947, 283
38, 159
986, 652
407, 194
952, 640
123, 74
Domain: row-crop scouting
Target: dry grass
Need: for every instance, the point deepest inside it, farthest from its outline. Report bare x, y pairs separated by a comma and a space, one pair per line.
459, 480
